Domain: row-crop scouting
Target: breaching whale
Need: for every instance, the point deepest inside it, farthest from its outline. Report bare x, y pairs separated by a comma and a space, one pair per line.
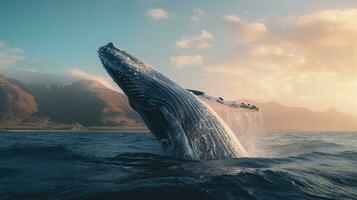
183, 124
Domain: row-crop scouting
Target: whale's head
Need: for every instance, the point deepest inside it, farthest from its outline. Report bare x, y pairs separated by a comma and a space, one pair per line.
131, 74
147, 90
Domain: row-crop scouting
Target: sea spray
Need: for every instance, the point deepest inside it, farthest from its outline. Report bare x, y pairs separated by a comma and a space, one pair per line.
250, 133
247, 126
239, 148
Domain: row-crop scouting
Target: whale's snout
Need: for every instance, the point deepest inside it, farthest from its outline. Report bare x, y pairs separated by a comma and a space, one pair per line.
110, 45
130, 73
111, 56
115, 54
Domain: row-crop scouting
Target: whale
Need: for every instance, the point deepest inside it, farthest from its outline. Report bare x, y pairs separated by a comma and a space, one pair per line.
185, 126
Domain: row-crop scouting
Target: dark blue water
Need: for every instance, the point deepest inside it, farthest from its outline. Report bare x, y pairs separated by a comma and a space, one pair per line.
132, 166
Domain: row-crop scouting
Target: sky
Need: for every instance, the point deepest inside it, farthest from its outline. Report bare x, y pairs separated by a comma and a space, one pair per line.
297, 52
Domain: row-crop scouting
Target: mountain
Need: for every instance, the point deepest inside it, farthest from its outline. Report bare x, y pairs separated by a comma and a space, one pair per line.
279, 117
16, 104
80, 105
87, 104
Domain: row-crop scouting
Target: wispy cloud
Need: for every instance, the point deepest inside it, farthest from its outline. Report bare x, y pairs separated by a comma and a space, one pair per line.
182, 61
245, 31
10, 55
197, 15
157, 13
201, 42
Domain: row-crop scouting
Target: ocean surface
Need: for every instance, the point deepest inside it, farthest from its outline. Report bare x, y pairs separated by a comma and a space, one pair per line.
108, 165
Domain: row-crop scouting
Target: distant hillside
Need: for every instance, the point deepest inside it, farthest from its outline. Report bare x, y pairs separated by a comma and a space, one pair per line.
86, 104
80, 105
16, 104
278, 117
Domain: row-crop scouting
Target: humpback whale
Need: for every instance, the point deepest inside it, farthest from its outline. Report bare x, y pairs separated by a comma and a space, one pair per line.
183, 124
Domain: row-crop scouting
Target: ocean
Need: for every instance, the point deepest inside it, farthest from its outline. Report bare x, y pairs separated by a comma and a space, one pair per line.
131, 165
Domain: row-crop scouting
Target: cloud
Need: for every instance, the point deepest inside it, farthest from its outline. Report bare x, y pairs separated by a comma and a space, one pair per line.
325, 39
272, 84
321, 41
244, 31
307, 60
197, 15
106, 81
184, 43
10, 55
183, 61
262, 50
200, 42
157, 14
232, 18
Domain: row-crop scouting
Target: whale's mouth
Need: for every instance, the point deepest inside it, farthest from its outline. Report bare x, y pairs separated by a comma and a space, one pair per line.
110, 48
119, 60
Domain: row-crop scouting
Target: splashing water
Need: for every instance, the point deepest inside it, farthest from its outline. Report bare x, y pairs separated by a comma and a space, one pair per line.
229, 134
249, 130
225, 135
247, 126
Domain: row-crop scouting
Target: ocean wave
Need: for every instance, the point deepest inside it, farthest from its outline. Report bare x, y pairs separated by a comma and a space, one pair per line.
267, 184
299, 147
56, 152
67, 168
312, 156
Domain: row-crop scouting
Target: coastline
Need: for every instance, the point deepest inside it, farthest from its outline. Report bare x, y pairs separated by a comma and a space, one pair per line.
126, 129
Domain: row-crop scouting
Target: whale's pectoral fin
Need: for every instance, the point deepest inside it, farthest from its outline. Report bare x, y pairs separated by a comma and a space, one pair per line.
233, 104
178, 143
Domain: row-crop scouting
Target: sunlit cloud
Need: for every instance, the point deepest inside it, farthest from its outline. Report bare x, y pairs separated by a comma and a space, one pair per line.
265, 50
200, 42
326, 40
197, 15
157, 14
315, 42
10, 55
106, 81
244, 31
303, 98
182, 61
272, 84
307, 60
322, 41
